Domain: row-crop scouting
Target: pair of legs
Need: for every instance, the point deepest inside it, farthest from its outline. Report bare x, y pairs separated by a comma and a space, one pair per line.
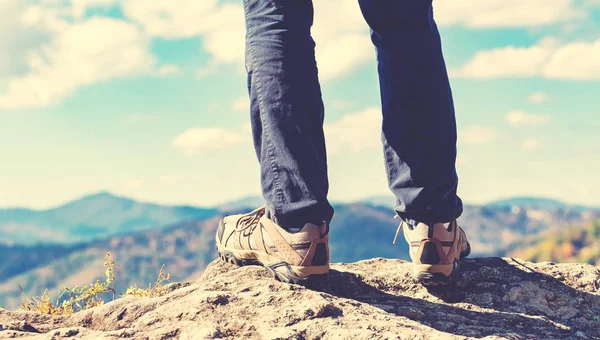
418, 130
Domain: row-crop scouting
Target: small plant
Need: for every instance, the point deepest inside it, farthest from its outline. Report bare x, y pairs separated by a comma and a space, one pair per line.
86, 297
42, 304
150, 292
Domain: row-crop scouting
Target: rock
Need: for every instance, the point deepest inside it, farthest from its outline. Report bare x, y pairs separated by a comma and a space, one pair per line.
496, 298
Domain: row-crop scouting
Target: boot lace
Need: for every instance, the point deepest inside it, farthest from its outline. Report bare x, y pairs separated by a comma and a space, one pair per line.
398, 230
250, 220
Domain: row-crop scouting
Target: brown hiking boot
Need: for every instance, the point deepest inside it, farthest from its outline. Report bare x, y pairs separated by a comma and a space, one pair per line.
436, 251
253, 239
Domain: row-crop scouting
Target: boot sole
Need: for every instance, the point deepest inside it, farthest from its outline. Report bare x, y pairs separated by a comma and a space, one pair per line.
441, 274
281, 271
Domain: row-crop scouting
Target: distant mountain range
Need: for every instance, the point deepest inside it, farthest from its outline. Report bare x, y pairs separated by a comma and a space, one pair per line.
579, 244
66, 245
185, 248
103, 215
90, 218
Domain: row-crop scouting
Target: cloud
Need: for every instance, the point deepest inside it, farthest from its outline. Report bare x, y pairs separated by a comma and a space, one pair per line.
241, 104
225, 36
506, 13
79, 7
342, 44
354, 132
196, 140
477, 135
538, 97
547, 59
85, 53
508, 61
524, 118
344, 55
28, 29
169, 19
168, 70
222, 27
342, 37
531, 144
351, 133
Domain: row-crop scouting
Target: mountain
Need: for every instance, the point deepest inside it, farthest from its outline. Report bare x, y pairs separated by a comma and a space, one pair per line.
374, 299
185, 249
579, 244
248, 202
536, 203
89, 218
182, 238
491, 229
384, 201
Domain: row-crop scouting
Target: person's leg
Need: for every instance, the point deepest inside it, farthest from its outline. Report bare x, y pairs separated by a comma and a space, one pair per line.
419, 127
287, 111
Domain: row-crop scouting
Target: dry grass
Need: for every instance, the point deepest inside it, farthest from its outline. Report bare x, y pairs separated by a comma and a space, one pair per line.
77, 298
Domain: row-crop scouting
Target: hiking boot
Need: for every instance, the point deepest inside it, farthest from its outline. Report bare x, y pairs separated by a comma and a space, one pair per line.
254, 239
436, 251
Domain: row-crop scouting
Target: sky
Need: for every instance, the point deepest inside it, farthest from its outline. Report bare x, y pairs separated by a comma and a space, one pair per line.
148, 99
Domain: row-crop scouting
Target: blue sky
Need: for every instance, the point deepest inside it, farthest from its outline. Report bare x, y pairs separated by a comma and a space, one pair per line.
147, 99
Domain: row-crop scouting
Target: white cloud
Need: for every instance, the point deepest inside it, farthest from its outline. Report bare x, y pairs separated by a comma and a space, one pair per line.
169, 19
85, 53
344, 55
524, 118
351, 133
225, 35
342, 44
547, 59
508, 61
505, 13
342, 38
25, 28
531, 144
222, 27
168, 70
79, 7
477, 135
241, 104
575, 61
196, 140
354, 132
538, 97
339, 29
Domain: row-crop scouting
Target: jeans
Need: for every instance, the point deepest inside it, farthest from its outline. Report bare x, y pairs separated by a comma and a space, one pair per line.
419, 127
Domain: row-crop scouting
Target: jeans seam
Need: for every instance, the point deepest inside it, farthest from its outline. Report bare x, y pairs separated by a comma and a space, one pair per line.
387, 161
271, 155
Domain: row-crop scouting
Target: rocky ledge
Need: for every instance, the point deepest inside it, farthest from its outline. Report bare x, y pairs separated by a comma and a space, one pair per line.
374, 299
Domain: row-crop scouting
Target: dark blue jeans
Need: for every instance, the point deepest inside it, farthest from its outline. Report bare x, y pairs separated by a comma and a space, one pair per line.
419, 127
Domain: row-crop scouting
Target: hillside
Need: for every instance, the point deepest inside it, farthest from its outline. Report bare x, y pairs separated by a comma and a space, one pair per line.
186, 247
579, 244
373, 299
90, 218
